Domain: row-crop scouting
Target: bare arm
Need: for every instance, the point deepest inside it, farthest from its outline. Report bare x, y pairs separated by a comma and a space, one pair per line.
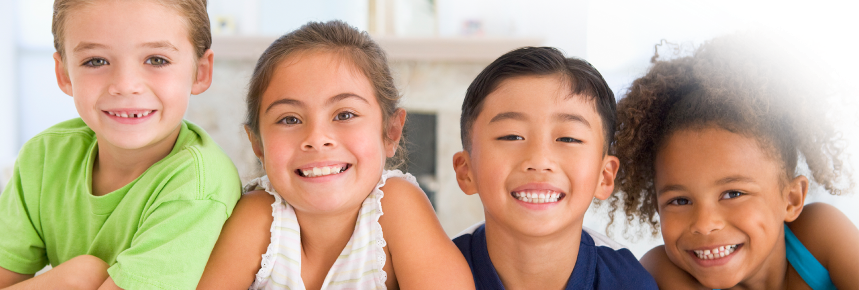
831, 238
9, 278
422, 255
666, 274
236, 257
81, 272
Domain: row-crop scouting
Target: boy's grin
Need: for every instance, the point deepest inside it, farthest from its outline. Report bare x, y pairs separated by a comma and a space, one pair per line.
538, 193
537, 158
130, 85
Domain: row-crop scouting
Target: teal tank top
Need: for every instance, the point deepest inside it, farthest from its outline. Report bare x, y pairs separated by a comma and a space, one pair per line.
811, 271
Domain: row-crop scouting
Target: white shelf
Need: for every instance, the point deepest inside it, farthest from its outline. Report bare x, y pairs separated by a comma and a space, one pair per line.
474, 49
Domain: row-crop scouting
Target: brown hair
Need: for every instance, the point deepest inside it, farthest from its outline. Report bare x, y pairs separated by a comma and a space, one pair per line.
196, 20
742, 83
539, 61
336, 37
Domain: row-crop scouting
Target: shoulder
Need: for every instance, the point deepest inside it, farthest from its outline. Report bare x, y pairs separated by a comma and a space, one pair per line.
236, 257
464, 239
819, 227
63, 138
666, 274
616, 266
402, 191
200, 166
828, 234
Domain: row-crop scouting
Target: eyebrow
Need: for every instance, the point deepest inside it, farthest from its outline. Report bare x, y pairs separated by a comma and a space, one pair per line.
509, 116
723, 181
563, 117
160, 44
87, 46
330, 101
572, 118
670, 187
735, 178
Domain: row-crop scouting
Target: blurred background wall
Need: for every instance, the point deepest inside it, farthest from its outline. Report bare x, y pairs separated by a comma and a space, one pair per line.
437, 47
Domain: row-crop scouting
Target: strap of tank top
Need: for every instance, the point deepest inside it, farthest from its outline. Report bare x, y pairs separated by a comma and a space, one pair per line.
811, 271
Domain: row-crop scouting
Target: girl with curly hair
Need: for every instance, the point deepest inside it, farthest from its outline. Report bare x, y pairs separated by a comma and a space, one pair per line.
711, 142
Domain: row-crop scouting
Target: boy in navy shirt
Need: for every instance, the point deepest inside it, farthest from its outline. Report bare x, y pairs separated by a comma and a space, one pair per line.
537, 130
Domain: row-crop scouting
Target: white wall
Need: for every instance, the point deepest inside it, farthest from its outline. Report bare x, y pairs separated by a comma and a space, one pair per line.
8, 101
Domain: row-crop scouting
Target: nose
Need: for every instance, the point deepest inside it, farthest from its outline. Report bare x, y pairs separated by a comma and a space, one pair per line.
707, 220
538, 158
126, 81
318, 138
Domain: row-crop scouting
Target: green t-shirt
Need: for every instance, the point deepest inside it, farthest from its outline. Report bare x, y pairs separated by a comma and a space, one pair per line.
155, 233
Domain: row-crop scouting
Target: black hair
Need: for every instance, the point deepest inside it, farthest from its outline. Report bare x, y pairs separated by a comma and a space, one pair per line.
584, 79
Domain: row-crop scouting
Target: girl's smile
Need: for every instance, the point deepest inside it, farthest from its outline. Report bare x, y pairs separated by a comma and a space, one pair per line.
723, 201
321, 133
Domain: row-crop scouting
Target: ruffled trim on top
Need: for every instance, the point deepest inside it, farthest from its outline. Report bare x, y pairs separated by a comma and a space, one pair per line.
378, 194
278, 205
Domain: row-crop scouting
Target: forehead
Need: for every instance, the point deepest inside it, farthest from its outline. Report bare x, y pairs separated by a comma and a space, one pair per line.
540, 97
710, 154
317, 76
123, 24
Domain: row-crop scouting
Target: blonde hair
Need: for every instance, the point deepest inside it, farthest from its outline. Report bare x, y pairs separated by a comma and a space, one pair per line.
196, 20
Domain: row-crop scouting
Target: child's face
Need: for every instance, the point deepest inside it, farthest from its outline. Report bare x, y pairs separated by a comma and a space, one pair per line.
130, 68
532, 138
319, 114
721, 191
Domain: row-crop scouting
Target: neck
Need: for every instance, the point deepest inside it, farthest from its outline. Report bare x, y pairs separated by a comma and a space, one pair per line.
115, 167
529, 262
326, 234
323, 238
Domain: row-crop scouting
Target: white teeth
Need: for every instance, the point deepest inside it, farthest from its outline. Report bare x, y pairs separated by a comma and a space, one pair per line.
716, 253
322, 171
538, 196
126, 115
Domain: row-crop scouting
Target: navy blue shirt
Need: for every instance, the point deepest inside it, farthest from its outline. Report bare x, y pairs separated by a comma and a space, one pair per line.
598, 266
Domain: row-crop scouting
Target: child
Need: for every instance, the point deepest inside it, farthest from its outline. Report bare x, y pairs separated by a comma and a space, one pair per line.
128, 195
536, 129
323, 119
711, 143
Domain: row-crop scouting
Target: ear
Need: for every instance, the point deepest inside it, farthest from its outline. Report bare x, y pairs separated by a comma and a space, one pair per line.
464, 175
203, 77
606, 182
256, 144
795, 196
395, 131
63, 79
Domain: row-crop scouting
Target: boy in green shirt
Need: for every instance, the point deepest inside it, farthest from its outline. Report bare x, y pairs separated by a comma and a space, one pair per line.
129, 196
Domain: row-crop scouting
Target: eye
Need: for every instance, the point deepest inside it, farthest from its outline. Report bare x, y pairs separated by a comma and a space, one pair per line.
345, 115
290, 120
732, 194
568, 140
157, 61
679, 201
95, 62
511, 138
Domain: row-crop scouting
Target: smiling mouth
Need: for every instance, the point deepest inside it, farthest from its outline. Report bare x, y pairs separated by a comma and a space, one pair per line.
716, 253
130, 114
538, 196
322, 171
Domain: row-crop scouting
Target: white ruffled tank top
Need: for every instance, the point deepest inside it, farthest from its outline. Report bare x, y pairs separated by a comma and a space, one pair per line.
360, 264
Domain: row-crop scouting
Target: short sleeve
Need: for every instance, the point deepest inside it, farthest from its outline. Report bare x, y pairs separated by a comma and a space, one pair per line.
171, 247
22, 249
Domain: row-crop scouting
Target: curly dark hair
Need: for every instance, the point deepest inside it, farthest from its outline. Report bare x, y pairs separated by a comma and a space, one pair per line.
743, 83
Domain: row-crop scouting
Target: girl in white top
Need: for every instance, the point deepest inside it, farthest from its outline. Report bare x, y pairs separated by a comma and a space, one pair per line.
323, 120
